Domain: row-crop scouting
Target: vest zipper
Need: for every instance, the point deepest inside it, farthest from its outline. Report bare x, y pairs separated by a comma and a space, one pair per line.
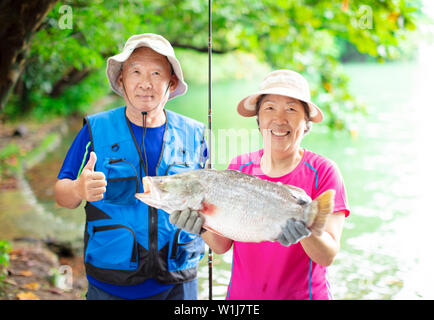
152, 212
175, 245
162, 147
153, 238
153, 216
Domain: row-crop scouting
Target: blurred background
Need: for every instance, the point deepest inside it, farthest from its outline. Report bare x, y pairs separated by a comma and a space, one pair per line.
370, 68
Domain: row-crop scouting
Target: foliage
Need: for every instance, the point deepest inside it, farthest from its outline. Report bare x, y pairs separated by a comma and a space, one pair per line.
225, 67
303, 35
5, 249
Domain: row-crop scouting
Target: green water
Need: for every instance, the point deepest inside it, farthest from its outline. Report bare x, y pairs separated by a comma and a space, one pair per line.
384, 252
383, 174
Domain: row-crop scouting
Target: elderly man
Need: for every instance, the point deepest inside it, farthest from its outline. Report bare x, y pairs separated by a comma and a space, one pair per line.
131, 251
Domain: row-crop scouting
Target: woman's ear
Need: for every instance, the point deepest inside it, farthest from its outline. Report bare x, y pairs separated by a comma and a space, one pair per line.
307, 127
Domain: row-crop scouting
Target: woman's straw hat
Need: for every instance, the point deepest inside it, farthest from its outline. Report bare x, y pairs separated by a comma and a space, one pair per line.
281, 82
156, 43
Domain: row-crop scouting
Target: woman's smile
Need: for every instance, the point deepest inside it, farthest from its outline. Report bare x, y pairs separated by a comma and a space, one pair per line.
280, 133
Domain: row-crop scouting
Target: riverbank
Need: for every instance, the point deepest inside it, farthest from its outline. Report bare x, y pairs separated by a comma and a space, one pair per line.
41, 267
36, 272
24, 144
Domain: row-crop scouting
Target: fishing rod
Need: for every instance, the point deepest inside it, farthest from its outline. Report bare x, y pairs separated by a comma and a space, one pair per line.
209, 130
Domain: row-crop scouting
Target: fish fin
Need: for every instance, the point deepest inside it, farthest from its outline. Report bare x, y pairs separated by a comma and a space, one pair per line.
212, 230
324, 204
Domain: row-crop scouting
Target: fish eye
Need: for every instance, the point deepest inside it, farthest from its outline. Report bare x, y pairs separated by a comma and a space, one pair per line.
301, 201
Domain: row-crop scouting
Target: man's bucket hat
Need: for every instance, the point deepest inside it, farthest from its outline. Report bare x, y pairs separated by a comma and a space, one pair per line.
281, 82
156, 43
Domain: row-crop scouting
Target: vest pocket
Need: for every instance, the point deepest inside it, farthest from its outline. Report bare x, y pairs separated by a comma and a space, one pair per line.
178, 167
122, 182
185, 251
112, 247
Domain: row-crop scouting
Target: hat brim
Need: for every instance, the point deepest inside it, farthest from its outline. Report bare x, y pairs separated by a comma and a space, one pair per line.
247, 106
114, 65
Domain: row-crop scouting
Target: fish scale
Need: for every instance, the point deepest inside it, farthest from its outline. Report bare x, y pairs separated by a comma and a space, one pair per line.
237, 205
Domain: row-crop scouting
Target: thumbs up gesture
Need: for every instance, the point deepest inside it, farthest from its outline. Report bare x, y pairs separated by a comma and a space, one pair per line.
91, 184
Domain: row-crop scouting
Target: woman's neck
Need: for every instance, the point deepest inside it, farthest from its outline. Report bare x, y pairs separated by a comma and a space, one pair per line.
274, 165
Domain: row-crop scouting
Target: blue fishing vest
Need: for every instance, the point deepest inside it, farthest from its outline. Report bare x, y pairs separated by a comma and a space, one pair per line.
126, 241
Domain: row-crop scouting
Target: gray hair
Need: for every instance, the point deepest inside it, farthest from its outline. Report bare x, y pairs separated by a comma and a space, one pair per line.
305, 107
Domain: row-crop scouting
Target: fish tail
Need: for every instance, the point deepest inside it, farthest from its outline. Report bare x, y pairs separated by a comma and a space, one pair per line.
322, 206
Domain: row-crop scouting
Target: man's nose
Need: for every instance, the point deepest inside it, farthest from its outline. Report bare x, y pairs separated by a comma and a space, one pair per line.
145, 83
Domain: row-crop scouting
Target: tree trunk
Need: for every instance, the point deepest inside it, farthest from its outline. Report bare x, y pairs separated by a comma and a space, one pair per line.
19, 19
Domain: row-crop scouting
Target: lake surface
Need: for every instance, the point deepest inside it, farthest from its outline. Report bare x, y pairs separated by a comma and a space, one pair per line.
385, 165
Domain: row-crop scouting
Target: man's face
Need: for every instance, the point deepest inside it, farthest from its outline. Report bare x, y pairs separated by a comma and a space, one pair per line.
282, 122
147, 80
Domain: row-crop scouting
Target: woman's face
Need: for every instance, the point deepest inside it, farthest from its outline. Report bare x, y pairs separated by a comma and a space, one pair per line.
282, 122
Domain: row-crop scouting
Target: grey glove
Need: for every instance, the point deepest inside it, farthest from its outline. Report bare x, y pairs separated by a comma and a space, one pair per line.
293, 232
189, 220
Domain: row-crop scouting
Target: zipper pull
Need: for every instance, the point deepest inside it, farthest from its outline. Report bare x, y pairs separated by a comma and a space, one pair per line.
111, 161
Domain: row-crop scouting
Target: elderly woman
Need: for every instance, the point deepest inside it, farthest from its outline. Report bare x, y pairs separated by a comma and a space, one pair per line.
295, 266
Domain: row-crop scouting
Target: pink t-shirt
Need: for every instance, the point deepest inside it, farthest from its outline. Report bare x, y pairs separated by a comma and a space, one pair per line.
269, 270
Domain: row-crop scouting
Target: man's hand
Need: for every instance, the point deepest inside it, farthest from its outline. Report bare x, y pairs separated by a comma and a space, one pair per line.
90, 186
189, 220
293, 232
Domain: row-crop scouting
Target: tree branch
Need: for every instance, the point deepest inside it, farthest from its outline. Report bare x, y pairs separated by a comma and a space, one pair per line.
19, 20
72, 77
200, 49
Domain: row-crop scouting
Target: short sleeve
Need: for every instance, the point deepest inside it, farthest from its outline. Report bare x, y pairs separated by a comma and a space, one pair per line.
233, 164
204, 153
77, 155
331, 178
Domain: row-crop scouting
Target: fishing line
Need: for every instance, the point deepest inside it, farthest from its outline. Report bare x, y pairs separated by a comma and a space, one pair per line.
209, 130
142, 147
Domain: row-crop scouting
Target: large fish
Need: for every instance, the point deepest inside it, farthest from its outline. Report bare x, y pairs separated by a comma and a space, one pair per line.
237, 205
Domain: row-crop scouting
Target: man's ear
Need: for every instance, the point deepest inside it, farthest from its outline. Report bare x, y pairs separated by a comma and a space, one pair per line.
173, 82
119, 80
